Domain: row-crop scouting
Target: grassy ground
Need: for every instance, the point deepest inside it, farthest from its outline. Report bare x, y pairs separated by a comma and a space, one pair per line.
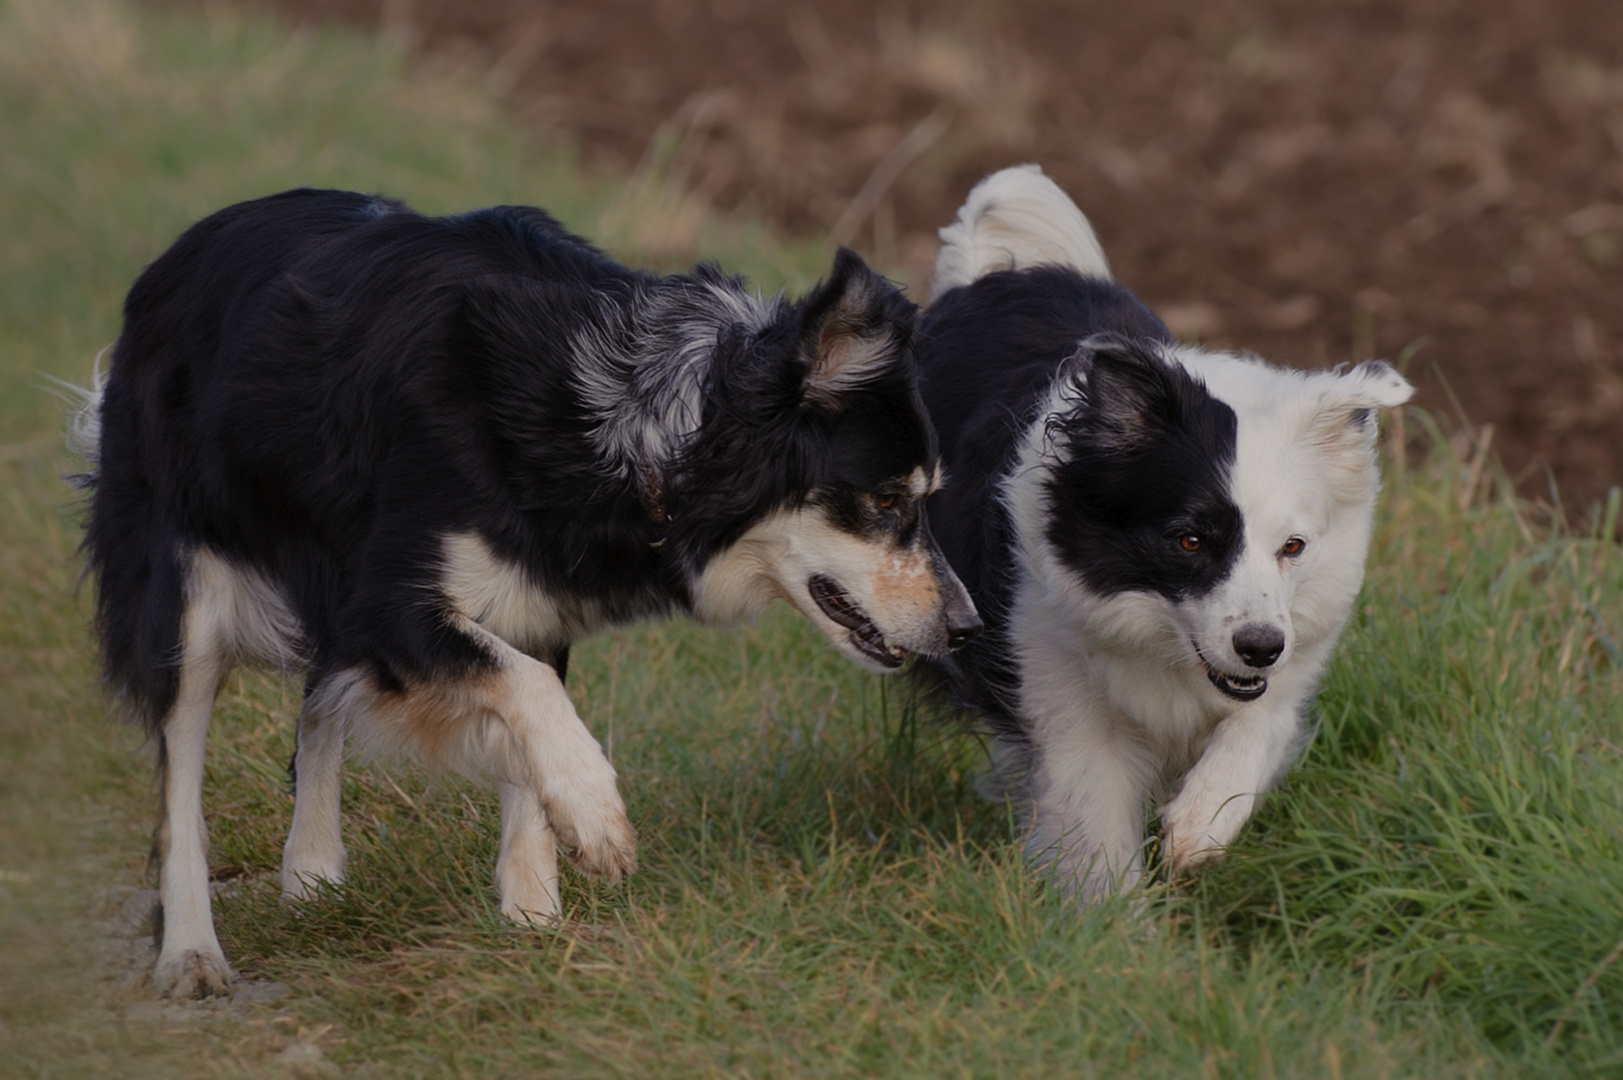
1437, 891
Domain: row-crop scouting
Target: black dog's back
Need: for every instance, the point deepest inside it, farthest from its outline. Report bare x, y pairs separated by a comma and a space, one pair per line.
266, 361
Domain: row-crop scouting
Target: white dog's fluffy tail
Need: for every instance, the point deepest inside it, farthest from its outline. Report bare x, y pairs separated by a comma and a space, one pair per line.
1014, 219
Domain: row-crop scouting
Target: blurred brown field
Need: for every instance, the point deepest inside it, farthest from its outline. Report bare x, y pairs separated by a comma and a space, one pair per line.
1316, 182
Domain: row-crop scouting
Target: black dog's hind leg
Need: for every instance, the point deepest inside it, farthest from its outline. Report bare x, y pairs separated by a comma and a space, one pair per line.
315, 844
190, 961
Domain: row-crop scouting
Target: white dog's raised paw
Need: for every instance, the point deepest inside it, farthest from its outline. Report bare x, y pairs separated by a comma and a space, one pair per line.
1198, 826
193, 974
1187, 859
1189, 846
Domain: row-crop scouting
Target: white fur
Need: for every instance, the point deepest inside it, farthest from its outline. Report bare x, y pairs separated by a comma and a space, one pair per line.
247, 617
851, 362
847, 357
1014, 219
314, 851
516, 726
84, 426
552, 750
527, 866
232, 615
500, 597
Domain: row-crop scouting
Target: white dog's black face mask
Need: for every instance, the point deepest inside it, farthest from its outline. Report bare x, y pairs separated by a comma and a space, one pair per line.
1140, 499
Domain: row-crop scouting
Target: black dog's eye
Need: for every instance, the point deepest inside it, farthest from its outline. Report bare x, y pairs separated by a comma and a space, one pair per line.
1189, 542
1293, 547
884, 502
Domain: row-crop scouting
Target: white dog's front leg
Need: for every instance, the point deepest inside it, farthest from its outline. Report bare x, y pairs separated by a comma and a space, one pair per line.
1246, 754
1089, 791
527, 868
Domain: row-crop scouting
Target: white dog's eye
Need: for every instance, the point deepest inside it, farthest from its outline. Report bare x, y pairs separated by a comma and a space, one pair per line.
1293, 547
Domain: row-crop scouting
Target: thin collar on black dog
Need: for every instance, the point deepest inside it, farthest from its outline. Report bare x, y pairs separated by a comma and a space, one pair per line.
653, 500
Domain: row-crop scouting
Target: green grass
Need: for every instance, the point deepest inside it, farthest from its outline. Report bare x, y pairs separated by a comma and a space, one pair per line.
1437, 891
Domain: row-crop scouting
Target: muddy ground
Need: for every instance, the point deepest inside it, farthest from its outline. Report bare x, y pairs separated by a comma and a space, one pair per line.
1316, 181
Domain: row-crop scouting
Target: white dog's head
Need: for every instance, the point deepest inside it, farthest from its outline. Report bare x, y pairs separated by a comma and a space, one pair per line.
1230, 503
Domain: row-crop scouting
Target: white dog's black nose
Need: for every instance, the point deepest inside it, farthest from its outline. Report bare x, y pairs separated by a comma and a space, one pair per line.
1259, 644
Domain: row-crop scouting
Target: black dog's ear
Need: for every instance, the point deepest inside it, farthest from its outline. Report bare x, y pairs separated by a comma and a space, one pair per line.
855, 329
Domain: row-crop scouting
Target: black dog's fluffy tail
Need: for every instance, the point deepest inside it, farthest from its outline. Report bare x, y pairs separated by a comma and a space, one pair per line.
138, 604
84, 425
138, 573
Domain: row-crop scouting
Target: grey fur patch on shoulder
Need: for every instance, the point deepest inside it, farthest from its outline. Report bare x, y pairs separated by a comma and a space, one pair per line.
642, 371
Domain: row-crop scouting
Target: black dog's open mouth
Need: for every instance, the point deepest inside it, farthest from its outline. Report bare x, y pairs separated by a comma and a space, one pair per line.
1238, 687
863, 633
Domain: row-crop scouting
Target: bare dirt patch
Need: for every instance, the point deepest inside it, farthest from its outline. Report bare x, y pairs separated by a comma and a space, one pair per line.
1317, 182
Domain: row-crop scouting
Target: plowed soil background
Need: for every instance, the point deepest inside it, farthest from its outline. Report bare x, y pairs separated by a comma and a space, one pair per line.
1316, 181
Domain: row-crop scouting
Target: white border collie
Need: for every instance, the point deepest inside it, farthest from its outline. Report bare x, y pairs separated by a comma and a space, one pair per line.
1165, 541
416, 458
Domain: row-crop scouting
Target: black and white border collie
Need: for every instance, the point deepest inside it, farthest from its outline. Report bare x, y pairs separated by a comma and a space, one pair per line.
1165, 541
417, 457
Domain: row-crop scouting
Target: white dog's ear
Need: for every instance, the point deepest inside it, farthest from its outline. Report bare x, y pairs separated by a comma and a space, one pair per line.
856, 328
1344, 421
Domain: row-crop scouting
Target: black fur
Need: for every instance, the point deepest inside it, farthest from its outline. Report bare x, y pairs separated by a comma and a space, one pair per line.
1143, 450
321, 385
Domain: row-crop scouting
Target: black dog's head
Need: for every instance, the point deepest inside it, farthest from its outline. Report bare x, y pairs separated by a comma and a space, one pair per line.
814, 459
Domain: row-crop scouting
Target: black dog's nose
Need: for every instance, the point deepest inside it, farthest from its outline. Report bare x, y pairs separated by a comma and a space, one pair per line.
962, 633
1259, 644
958, 614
